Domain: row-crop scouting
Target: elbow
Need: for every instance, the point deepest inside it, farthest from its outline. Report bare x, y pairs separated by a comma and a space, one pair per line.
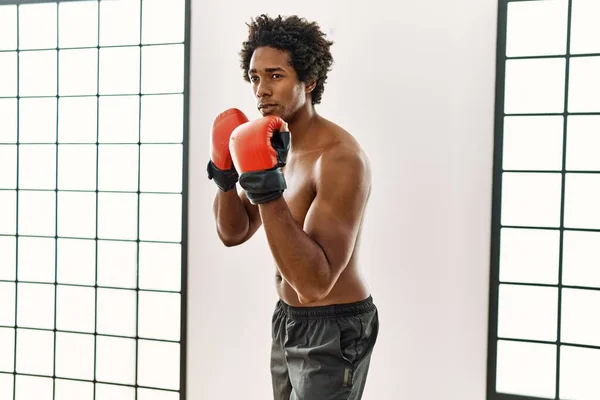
229, 241
323, 281
318, 289
307, 300
312, 295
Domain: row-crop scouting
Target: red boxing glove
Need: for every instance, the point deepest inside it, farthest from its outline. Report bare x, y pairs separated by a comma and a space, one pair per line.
259, 150
220, 167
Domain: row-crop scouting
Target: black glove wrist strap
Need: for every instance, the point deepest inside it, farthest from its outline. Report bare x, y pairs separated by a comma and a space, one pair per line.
263, 186
225, 179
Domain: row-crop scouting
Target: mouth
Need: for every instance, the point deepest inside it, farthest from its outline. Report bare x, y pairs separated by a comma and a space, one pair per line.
266, 108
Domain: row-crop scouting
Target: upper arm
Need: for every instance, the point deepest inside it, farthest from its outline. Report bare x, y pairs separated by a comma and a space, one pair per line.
254, 221
343, 184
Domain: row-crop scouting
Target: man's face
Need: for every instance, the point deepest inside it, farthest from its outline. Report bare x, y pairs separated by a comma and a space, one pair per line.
275, 83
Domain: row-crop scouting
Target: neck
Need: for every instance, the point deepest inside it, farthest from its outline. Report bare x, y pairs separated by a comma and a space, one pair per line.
300, 126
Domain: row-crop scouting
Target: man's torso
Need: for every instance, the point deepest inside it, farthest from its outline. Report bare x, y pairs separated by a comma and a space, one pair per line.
301, 173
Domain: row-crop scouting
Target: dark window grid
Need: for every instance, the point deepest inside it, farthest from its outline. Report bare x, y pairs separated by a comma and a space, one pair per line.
493, 337
120, 46
17, 225
84, 238
90, 334
91, 191
564, 114
93, 95
553, 171
19, 2
95, 144
550, 285
586, 346
552, 228
96, 381
578, 55
94, 286
55, 217
184, 205
137, 274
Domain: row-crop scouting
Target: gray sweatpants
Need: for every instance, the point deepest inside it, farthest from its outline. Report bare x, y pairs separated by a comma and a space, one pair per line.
322, 353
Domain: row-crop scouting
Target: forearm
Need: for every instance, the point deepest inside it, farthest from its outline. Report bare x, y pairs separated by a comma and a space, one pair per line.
231, 217
301, 261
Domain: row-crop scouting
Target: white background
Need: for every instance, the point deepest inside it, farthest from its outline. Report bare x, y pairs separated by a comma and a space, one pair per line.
414, 82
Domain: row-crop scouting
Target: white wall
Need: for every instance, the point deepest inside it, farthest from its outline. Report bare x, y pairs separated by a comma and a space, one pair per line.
414, 82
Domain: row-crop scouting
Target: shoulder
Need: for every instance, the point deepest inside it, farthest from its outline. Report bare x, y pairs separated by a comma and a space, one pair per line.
343, 157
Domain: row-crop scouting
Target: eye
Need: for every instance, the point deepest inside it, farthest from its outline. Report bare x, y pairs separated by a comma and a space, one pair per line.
254, 78
276, 76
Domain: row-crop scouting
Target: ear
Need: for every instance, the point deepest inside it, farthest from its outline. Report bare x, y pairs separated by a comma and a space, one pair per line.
310, 86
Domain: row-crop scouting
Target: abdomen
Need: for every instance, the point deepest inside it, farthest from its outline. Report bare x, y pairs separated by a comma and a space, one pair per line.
349, 288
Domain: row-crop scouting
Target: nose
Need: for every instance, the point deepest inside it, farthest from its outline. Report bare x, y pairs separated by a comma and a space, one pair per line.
262, 89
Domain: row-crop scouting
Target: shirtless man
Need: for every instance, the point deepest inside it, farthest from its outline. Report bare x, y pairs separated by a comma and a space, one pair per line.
307, 182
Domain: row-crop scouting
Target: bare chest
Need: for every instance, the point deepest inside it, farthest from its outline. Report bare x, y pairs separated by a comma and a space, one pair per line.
300, 191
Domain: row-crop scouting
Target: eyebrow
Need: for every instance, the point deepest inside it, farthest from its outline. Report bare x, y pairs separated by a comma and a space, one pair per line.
268, 70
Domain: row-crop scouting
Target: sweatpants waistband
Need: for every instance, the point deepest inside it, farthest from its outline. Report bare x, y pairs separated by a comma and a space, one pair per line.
330, 311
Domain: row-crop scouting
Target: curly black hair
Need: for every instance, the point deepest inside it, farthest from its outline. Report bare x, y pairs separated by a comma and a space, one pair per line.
304, 41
